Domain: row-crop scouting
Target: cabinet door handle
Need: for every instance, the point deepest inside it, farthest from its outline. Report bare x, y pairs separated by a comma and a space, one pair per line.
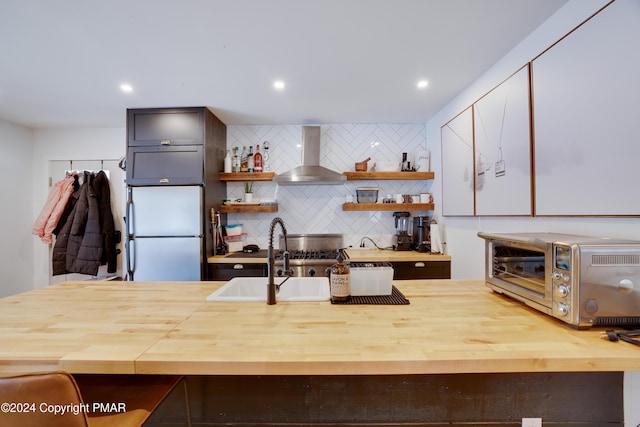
164, 181
165, 142
419, 264
238, 267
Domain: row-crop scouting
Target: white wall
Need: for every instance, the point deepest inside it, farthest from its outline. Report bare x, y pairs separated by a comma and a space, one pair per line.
16, 183
462, 244
66, 144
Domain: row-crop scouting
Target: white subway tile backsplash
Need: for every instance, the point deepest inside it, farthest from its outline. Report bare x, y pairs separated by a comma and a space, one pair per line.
318, 208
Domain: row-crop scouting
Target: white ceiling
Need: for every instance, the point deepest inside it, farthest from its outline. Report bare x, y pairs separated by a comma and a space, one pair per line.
343, 61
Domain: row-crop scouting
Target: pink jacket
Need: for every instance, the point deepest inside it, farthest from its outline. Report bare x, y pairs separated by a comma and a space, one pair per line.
53, 208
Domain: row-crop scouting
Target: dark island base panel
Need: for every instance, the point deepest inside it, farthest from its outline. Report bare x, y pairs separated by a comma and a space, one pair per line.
560, 399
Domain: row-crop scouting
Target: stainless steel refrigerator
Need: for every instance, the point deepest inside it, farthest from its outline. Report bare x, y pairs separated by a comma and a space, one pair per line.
165, 239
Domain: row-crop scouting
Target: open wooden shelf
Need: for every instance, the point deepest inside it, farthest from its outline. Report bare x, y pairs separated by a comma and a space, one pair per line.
353, 176
247, 176
247, 209
388, 206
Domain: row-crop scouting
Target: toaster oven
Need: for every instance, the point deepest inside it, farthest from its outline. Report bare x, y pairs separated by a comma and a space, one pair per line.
583, 281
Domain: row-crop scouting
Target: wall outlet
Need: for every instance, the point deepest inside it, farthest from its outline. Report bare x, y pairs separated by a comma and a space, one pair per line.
532, 422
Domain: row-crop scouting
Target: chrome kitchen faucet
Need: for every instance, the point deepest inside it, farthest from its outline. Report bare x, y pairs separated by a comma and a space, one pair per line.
272, 288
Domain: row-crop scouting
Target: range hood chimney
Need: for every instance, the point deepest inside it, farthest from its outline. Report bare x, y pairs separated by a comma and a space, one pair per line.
310, 172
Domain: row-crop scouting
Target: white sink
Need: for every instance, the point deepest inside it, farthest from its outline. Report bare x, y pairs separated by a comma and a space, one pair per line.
255, 289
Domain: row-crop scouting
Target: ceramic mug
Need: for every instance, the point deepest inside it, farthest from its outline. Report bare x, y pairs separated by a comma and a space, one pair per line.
426, 198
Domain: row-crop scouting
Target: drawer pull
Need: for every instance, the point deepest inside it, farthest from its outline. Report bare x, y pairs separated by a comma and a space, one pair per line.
419, 264
164, 181
165, 142
238, 267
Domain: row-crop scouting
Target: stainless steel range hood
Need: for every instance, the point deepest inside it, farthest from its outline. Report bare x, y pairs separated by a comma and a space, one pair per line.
310, 172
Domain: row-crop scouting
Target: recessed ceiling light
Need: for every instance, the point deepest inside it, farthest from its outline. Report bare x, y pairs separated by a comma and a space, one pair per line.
126, 88
278, 84
423, 84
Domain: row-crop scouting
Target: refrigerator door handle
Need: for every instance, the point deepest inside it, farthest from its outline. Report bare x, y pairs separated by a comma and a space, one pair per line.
129, 213
129, 245
131, 262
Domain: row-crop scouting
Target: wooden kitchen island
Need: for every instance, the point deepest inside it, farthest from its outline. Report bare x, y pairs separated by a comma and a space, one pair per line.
456, 353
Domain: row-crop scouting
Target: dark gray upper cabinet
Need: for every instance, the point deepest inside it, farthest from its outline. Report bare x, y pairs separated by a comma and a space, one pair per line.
165, 126
174, 146
165, 165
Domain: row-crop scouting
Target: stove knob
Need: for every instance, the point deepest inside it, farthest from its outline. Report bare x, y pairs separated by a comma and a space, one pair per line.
279, 272
311, 272
327, 271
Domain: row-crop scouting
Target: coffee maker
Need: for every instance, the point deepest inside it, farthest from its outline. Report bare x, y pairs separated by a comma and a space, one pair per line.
402, 238
421, 240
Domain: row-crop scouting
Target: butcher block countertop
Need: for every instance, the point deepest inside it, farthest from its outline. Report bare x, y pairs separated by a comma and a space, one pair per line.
450, 326
376, 255
355, 255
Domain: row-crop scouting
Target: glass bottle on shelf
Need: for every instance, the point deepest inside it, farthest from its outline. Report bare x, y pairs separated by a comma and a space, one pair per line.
244, 160
227, 162
250, 164
257, 160
235, 162
266, 166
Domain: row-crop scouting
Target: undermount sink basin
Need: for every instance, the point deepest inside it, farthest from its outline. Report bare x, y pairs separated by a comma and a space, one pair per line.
255, 289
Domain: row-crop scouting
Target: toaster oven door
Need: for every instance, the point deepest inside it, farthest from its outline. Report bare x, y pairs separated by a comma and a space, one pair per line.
521, 271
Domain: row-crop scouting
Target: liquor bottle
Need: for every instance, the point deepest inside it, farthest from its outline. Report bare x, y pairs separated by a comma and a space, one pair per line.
235, 162
227, 162
244, 160
257, 160
340, 279
250, 159
266, 167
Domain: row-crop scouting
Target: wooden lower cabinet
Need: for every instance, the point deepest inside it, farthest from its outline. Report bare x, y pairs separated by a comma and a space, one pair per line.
579, 399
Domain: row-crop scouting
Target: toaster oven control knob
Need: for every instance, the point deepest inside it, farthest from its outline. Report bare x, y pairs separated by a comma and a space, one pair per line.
556, 275
563, 291
562, 309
